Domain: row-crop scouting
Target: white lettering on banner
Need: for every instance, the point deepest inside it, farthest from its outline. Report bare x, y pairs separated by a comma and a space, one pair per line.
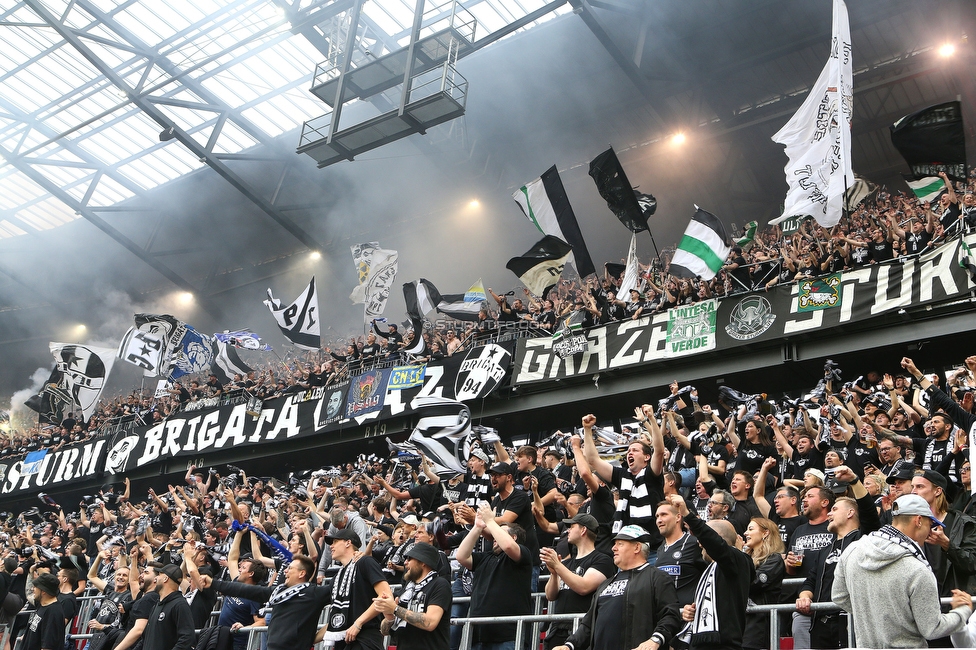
941, 272
659, 337
66, 468
209, 428
597, 350
848, 280
625, 357
154, 441
394, 400
287, 420
172, 445
432, 382
904, 298
57, 467
192, 429
234, 431
536, 359
267, 416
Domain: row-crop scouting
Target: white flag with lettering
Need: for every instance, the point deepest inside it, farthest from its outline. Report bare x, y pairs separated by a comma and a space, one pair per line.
818, 136
382, 274
299, 321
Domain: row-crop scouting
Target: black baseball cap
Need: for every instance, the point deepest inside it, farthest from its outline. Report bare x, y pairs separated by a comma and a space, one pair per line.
346, 534
501, 468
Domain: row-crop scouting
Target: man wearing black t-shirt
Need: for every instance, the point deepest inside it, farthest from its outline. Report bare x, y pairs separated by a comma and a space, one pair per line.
635, 608
571, 582
641, 485
141, 586
513, 506
45, 628
419, 619
679, 555
600, 502
502, 577
809, 539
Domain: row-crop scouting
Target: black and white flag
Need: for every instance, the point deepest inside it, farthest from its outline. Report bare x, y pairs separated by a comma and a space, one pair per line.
52, 403
442, 435
84, 372
539, 269
421, 297
227, 363
299, 321
544, 202
148, 351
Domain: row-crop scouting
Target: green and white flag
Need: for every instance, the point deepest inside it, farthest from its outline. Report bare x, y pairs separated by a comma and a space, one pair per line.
927, 189
745, 241
544, 203
703, 248
966, 259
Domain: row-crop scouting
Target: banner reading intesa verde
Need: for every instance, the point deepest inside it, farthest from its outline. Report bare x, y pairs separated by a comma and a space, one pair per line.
826, 302
370, 397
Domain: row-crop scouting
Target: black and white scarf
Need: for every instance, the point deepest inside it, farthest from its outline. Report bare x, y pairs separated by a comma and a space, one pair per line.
283, 593
706, 612
409, 592
895, 536
339, 613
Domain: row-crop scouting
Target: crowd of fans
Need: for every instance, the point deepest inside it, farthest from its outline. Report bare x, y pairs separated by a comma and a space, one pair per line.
796, 481
885, 227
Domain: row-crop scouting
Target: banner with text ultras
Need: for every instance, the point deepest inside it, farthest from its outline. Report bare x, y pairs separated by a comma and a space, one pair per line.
71, 463
316, 411
825, 302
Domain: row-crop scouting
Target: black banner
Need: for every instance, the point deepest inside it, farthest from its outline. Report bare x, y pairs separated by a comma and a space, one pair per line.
316, 411
932, 141
72, 463
712, 325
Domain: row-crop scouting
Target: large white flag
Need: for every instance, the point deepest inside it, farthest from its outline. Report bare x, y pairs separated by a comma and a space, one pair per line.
299, 321
818, 137
382, 273
630, 279
85, 371
362, 257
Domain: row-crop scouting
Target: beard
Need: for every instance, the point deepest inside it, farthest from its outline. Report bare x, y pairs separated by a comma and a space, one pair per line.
412, 574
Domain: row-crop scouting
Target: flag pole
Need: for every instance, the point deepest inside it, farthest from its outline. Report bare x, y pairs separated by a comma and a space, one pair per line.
654, 243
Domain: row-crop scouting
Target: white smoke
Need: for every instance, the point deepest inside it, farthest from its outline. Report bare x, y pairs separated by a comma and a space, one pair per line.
19, 412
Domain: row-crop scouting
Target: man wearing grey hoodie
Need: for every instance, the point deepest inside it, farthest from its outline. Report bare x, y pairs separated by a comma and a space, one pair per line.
890, 564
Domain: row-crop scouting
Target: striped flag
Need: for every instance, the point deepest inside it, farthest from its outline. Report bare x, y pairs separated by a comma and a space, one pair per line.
966, 259
745, 241
703, 248
227, 362
927, 189
545, 204
442, 434
422, 297
539, 269
476, 293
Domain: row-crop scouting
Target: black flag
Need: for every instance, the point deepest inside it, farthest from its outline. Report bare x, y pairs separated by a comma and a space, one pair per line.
539, 269
631, 207
932, 141
52, 403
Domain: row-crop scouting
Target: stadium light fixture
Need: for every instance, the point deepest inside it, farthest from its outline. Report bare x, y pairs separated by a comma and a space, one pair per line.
315, 256
185, 298
947, 50
678, 139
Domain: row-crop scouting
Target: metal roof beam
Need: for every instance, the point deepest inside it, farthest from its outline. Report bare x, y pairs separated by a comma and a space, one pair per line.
656, 106
166, 123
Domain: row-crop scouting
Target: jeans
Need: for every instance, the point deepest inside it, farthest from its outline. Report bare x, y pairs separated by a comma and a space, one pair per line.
801, 631
458, 610
536, 570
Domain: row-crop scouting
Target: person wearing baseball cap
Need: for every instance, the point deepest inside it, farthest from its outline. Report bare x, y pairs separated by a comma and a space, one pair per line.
572, 582
891, 561
951, 548
45, 629
635, 607
170, 626
420, 617
477, 480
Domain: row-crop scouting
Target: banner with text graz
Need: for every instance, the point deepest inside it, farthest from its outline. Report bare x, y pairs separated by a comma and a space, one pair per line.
68, 464
313, 412
826, 302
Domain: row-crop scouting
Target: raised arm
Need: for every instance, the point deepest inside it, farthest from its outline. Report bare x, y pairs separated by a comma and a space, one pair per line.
602, 468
